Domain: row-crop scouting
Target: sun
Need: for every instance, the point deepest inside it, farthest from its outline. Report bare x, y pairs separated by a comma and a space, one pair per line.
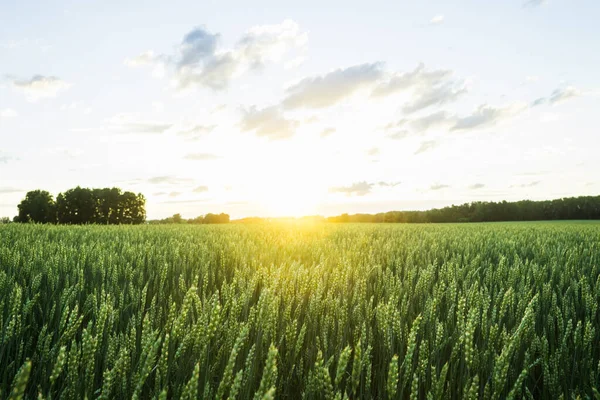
284, 203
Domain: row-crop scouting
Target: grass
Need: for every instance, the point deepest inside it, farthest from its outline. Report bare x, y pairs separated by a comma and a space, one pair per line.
505, 310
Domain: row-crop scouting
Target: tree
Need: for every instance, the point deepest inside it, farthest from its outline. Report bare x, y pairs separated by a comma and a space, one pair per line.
4, 220
37, 206
216, 218
132, 208
76, 206
108, 205
177, 218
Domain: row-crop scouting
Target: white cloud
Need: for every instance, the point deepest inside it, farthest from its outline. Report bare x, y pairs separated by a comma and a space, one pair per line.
438, 186
131, 123
195, 132
326, 132
476, 186
333, 87
200, 62
358, 189
426, 146
169, 180
269, 43
434, 95
372, 152
40, 86
532, 78
201, 157
401, 134
294, 63
534, 3
563, 94
486, 116
268, 122
8, 113
434, 120
437, 20
526, 185
5, 157
420, 78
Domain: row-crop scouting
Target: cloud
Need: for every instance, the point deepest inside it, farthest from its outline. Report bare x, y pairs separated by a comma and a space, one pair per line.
401, 134
10, 190
269, 43
486, 116
201, 157
434, 120
526, 185
192, 201
197, 45
532, 78
5, 158
563, 94
483, 116
437, 20
268, 122
326, 132
148, 58
129, 123
8, 113
196, 132
65, 152
372, 152
145, 58
426, 146
477, 186
419, 78
159, 193
438, 187
434, 95
199, 61
534, 3
358, 189
539, 102
201, 189
296, 62
40, 86
329, 89
388, 184
168, 180
174, 194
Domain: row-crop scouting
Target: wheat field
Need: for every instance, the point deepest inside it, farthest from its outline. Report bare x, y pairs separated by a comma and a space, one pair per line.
324, 311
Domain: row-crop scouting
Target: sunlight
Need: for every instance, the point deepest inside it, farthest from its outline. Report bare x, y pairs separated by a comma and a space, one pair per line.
289, 202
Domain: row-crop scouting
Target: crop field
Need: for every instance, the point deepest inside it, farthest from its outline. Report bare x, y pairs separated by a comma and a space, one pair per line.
324, 311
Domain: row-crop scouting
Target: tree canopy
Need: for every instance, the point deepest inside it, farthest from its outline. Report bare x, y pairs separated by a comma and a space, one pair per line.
37, 206
202, 219
584, 207
83, 206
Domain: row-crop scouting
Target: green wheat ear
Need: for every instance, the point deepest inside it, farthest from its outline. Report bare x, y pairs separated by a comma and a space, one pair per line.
20, 382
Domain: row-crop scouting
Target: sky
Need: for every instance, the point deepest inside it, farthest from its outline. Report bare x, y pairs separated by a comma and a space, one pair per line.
285, 109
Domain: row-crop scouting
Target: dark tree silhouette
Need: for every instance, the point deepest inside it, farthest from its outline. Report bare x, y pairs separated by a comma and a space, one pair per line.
76, 206
585, 207
84, 206
37, 206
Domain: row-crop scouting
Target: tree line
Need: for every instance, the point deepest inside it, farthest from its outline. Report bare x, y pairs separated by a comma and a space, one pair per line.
77, 206
583, 207
202, 219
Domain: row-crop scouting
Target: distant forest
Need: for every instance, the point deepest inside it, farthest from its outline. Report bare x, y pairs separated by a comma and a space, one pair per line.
584, 207
112, 206
202, 219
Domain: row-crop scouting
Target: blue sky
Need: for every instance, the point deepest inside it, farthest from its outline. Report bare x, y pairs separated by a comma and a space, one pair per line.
300, 108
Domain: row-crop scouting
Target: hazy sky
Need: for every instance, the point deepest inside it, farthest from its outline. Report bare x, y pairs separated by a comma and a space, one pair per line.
287, 108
